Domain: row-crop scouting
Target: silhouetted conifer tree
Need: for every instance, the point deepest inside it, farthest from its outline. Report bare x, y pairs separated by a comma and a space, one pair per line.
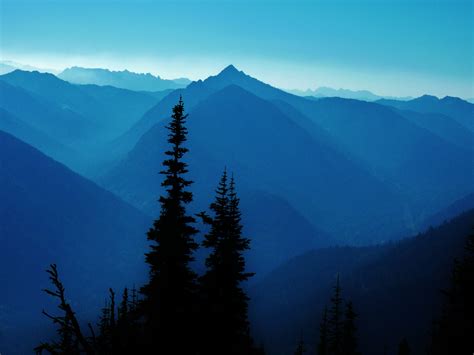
124, 306
126, 332
112, 308
335, 321
169, 297
404, 348
453, 334
105, 337
323, 334
134, 300
66, 339
224, 300
300, 348
349, 340
71, 338
104, 321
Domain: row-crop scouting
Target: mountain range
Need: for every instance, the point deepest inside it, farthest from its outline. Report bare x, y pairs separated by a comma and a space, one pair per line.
80, 118
454, 107
121, 79
314, 176
7, 66
410, 163
418, 158
364, 95
273, 140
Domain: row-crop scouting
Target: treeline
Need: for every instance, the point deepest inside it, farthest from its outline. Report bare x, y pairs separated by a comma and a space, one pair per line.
452, 330
176, 311
338, 330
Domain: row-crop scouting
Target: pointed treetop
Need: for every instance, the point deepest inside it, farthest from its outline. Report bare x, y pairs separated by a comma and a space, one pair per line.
232, 184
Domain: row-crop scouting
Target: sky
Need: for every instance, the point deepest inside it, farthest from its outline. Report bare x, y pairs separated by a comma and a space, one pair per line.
391, 47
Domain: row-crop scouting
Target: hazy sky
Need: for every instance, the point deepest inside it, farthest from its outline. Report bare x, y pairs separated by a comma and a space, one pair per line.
392, 47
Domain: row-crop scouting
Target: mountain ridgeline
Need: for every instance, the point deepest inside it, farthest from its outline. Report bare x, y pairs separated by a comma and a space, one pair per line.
120, 79
285, 224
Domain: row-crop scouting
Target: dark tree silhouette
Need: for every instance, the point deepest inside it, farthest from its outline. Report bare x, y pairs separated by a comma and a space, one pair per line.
107, 339
169, 297
126, 332
453, 334
124, 306
224, 300
323, 334
72, 340
404, 348
335, 321
134, 301
337, 330
112, 308
165, 321
104, 337
300, 348
349, 339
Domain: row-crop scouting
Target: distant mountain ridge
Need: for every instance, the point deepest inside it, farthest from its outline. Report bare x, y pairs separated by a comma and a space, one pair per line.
121, 79
198, 91
7, 66
364, 95
81, 117
455, 107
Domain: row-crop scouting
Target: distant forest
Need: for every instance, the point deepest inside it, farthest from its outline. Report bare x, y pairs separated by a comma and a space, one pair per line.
178, 311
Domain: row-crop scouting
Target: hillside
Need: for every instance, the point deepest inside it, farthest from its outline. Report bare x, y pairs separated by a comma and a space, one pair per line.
317, 180
111, 110
429, 171
49, 214
396, 290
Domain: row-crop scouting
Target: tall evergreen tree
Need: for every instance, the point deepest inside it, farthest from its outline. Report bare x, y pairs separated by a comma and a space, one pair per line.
349, 340
323, 334
169, 297
224, 300
335, 321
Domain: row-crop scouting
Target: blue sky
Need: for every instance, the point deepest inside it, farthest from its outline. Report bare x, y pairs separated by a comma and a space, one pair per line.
390, 47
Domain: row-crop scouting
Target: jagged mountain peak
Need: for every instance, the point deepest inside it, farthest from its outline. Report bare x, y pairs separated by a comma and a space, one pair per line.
230, 69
